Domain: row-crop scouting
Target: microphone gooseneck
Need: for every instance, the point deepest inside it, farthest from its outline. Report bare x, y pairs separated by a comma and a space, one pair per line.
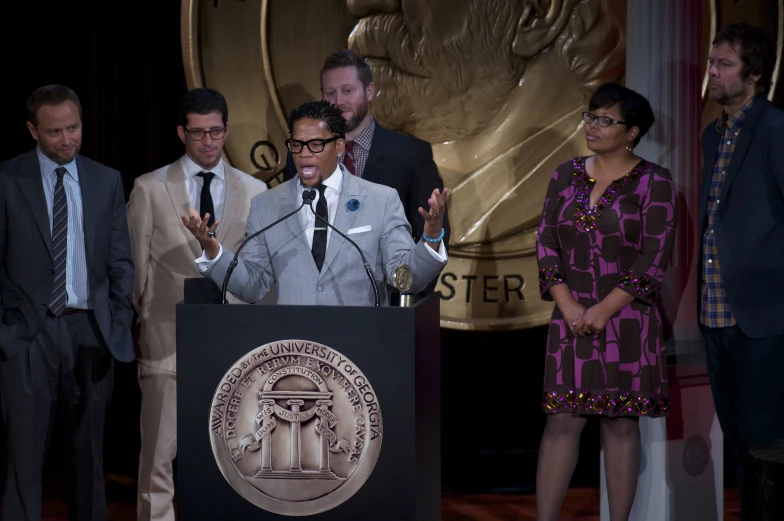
310, 197
307, 198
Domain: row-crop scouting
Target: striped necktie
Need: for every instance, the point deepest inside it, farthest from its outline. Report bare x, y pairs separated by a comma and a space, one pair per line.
59, 243
348, 159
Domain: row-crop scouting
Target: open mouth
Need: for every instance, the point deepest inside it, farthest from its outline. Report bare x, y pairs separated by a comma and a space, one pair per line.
308, 171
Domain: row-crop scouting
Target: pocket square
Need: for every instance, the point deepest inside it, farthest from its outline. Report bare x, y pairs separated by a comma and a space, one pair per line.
359, 229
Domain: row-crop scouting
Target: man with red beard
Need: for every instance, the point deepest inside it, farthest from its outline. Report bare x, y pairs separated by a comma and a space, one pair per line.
373, 153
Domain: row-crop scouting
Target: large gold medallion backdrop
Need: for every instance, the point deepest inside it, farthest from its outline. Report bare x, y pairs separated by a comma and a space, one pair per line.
295, 427
496, 86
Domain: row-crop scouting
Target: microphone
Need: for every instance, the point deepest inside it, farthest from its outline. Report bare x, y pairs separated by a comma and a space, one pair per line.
310, 198
307, 198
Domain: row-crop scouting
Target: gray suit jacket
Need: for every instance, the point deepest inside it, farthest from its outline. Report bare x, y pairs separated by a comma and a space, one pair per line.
282, 254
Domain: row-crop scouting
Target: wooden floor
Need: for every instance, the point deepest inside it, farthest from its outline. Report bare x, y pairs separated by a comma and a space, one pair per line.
580, 505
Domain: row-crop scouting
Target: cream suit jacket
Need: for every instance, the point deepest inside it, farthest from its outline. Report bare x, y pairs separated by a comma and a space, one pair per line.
163, 250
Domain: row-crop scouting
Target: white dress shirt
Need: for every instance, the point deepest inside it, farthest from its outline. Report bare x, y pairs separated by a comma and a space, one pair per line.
308, 218
193, 183
332, 193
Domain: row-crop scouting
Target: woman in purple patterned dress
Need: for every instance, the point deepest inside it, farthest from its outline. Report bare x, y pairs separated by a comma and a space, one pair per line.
607, 230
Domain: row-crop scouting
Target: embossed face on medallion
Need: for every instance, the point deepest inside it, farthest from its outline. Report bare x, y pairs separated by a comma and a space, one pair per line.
295, 427
444, 70
403, 278
434, 60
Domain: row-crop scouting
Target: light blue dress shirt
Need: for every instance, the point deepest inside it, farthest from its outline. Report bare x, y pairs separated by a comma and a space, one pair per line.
76, 281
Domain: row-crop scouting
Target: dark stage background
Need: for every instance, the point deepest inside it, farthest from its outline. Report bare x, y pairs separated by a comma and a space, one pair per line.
124, 61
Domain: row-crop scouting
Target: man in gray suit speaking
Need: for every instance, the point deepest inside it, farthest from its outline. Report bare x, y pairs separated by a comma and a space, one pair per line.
311, 263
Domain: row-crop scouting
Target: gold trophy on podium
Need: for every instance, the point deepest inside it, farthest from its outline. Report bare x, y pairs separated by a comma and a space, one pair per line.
402, 280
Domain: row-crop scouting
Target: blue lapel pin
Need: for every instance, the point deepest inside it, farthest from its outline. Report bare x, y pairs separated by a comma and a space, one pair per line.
352, 205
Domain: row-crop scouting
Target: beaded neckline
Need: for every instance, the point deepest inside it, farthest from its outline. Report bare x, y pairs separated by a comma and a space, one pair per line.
587, 217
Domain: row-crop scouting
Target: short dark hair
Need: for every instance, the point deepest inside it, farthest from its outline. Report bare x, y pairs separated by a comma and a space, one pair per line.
756, 52
203, 101
635, 109
348, 58
50, 95
320, 111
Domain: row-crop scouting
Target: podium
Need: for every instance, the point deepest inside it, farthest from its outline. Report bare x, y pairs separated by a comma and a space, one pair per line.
332, 413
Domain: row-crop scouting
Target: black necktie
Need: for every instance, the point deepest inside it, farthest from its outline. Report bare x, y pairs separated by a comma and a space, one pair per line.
205, 205
319, 248
59, 243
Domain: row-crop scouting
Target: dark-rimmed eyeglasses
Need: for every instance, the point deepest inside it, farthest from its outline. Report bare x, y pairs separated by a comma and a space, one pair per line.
314, 145
603, 121
197, 134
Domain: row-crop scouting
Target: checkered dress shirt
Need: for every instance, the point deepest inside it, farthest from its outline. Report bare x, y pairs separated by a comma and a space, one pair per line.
362, 148
715, 310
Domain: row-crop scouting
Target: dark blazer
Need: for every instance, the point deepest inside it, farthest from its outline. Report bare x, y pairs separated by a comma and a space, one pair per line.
750, 223
26, 267
404, 163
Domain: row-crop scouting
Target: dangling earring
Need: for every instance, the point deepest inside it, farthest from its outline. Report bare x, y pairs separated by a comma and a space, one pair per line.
629, 150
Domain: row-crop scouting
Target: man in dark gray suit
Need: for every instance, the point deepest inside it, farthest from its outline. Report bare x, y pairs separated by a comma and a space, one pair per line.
66, 277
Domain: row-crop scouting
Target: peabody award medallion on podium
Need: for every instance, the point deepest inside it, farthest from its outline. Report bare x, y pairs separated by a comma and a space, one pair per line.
295, 427
402, 280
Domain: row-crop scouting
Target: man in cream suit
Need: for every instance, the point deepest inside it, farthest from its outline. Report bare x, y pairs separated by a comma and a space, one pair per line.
163, 252
311, 263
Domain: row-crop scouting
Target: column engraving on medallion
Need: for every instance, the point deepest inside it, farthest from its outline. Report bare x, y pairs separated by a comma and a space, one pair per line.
308, 422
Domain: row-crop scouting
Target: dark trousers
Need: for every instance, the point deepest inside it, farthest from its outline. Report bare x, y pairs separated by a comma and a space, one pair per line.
64, 373
746, 377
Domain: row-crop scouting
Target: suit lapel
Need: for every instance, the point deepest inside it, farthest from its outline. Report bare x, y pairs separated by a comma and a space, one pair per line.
32, 187
178, 193
374, 167
88, 185
744, 140
230, 203
344, 217
287, 202
707, 172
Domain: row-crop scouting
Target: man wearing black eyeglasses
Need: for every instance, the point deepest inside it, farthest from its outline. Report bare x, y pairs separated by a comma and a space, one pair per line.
311, 264
163, 252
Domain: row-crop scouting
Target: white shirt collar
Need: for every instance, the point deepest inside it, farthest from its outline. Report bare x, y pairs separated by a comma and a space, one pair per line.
191, 169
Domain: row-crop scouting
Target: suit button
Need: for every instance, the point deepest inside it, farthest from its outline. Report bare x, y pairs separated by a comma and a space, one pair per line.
51, 272
43, 306
321, 288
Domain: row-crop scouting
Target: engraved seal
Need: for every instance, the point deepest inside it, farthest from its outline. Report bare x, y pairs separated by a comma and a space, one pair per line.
295, 427
402, 278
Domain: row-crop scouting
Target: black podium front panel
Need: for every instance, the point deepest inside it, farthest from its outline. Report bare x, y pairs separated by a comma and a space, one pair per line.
396, 349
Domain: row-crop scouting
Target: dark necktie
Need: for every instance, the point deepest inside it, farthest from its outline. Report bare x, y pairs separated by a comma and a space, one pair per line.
59, 243
348, 158
205, 205
319, 248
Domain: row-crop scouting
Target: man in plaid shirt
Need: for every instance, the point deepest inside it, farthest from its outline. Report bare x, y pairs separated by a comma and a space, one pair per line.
741, 259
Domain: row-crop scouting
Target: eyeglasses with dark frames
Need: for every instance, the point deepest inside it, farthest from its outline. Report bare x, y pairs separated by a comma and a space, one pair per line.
314, 145
197, 134
603, 121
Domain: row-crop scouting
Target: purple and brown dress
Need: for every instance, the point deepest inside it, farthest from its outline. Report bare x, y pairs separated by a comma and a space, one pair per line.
625, 242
